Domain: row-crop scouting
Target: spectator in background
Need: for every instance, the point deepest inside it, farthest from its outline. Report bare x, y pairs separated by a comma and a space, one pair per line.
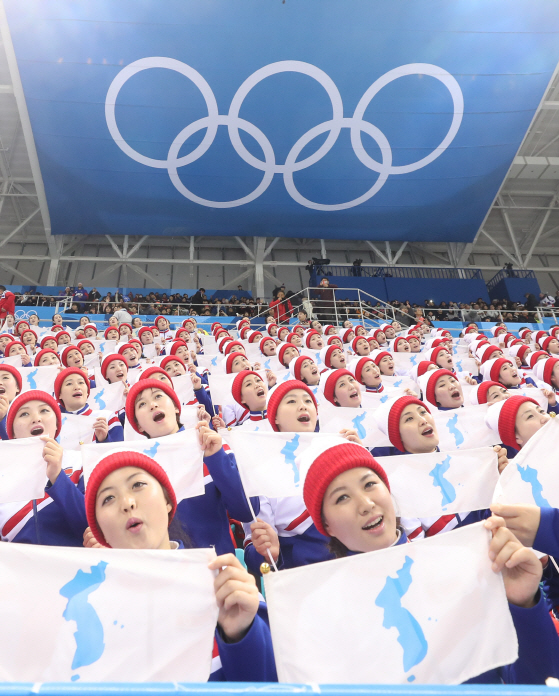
122, 315
281, 307
81, 296
276, 290
198, 300
94, 295
65, 293
7, 303
546, 300
326, 296
531, 303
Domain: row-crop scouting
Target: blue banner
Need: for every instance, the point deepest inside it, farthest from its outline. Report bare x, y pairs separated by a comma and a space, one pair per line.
363, 119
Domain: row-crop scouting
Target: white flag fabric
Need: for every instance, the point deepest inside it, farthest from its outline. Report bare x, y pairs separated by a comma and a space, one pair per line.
400, 382
183, 388
91, 360
373, 400
464, 428
149, 350
268, 461
532, 477
272, 363
388, 617
109, 397
23, 470
106, 614
180, 455
211, 362
39, 378
14, 360
220, 387
442, 483
465, 364
335, 418
535, 394
77, 430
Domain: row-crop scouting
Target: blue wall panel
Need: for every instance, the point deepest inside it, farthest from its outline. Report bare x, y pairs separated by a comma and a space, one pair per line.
515, 289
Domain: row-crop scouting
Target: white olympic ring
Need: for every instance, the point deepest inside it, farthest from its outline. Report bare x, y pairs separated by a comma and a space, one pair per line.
269, 167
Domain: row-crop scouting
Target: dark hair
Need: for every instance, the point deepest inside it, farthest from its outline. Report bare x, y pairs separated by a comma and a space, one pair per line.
178, 533
2, 287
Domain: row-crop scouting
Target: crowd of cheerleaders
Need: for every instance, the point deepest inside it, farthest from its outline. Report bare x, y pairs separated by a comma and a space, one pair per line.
346, 507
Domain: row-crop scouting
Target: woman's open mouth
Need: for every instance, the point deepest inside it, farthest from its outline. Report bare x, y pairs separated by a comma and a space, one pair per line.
134, 525
354, 394
374, 524
304, 418
260, 392
37, 430
2, 390
428, 432
456, 394
314, 371
119, 375
77, 394
158, 416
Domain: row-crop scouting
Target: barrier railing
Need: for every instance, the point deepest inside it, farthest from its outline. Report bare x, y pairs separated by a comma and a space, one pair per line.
359, 271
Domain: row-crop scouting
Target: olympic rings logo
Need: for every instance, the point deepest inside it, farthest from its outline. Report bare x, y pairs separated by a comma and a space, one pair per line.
269, 166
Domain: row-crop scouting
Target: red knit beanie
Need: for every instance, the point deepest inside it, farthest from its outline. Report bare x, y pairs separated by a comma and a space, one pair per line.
121, 325
215, 325
488, 352
111, 328
157, 318
143, 330
329, 464
124, 347
155, 370
310, 334
230, 359
65, 353
139, 387
49, 338
270, 326
167, 359
41, 353
277, 395
119, 460
218, 333
83, 342
61, 376
376, 333
423, 367
331, 381
243, 332
496, 368
535, 356
522, 352
237, 384
296, 364
282, 350
552, 330
402, 339
108, 360
290, 336
331, 339
439, 342
354, 343
345, 335
431, 379
326, 354
22, 399
28, 331
19, 325
223, 342
16, 374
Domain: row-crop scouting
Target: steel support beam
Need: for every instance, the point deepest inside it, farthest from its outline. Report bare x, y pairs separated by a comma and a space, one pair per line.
248, 252
11, 269
505, 252
378, 252
259, 266
540, 230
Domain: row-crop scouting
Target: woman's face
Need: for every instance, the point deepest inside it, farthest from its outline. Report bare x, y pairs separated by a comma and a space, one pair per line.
125, 330
361, 331
358, 511
448, 392
34, 320
282, 333
137, 323
117, 371
347, 324
403, 347
553, 346
240, 363
380, 337
175, 368
112, 335
50, 344
146, 338
296, 413
162, 324
17, 350
273, 331
309, 373
331, 331
4, 340
390, 333
336, 341
84, 321
508, 375
8, 385
269, 348
495, 394
183, 352
370, 374
373, 343
396, 326
87, 349
63, 340
74, 358
362, 347
113, 321
316, 325
414, 344
289, 354
156, 413
48, 360
33, 419
529, 419
386, 365
417, 430
316, 342
299, 330
254, 392
132, 510
350, 336
444, 360
256, 338
337, 359
73, 392
28, 339
347, 392
296, 340
130, 355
